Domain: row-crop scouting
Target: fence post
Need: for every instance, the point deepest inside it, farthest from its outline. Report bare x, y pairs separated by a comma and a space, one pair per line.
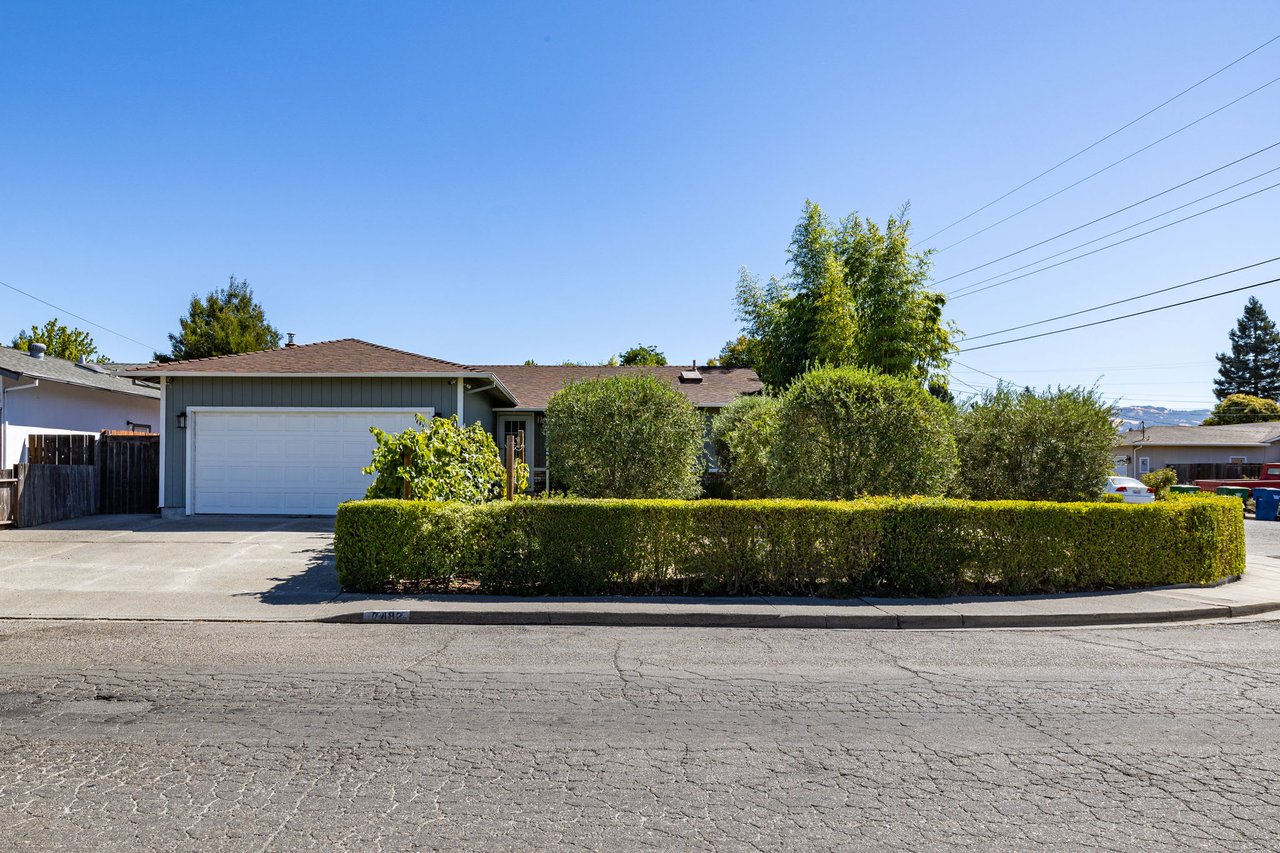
511, 466
19, 474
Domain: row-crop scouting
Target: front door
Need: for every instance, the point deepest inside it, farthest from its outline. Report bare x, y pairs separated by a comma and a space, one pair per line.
511, 425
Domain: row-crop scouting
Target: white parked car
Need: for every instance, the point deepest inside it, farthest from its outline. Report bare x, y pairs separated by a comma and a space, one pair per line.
1134, 491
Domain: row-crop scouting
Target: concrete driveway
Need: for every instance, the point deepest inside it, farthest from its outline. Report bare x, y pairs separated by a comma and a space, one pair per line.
142, 567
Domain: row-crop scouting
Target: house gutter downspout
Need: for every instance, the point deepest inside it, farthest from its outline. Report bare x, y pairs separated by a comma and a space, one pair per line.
4, 417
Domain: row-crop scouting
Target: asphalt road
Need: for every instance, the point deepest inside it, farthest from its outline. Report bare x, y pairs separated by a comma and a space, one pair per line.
126, 736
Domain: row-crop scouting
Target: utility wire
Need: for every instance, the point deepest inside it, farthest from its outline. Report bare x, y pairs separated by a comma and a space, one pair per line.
1105, 138
1123, 316
1109, 166
1123, 301
973, 288
78, 317
983, 372
1113, 213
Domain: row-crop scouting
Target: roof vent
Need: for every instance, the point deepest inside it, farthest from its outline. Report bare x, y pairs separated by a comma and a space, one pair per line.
691, 375
36, 350
290, 342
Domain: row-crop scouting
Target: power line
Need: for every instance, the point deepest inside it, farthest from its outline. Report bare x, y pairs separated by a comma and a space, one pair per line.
1122, 317
973, 288
1109, 166
1105, 138
1122, 301
78, 317
983, 372
1115, 212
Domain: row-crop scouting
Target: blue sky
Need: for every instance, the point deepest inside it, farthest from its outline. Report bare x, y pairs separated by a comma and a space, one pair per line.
495, 182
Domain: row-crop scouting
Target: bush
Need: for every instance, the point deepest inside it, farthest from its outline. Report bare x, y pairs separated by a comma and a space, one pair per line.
742, 434
879, 546
1160, 480
445, 462
1024, 445
846, 432
626, 436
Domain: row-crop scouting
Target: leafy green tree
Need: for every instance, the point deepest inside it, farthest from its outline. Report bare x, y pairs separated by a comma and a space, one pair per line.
737, 353
625, 436
1243, 409
441, 462
640, 354
742, 434
1253, 365
1055, 445
60, 342
900, 330
225, 322
856, 295
845, 432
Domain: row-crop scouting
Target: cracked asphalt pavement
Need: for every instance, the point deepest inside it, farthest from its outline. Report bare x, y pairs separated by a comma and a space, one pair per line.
125, 736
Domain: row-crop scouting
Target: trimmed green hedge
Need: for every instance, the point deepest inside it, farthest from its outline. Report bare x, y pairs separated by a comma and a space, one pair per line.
876, 546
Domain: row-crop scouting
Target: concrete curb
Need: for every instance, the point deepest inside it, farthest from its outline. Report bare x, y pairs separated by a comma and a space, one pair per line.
553, 614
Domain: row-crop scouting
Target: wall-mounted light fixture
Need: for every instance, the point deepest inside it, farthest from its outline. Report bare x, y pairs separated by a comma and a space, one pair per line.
182, 420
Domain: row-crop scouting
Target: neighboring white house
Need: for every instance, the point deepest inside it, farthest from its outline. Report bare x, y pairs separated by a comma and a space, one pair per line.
42, 394
1138, 451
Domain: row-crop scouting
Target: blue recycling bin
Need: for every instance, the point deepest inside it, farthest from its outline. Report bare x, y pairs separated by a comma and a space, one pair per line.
1266, 503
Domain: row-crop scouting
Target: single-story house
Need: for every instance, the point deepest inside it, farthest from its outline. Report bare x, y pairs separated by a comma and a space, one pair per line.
1198, 452
286, 431
43, 394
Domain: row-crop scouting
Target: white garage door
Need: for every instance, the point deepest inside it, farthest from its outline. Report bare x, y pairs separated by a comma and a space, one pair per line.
294, 462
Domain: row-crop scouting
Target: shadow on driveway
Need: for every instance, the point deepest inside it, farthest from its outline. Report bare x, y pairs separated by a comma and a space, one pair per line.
316, 583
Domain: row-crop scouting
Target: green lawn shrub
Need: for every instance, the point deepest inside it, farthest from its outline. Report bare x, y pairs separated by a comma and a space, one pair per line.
874, 546
742, 434
625, 436
1021, 444
844, 432
1160, 480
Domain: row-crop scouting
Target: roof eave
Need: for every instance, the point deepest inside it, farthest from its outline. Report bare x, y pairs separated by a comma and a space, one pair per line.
279, 374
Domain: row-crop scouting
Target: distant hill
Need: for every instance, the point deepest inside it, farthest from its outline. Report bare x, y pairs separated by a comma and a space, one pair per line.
1133, 416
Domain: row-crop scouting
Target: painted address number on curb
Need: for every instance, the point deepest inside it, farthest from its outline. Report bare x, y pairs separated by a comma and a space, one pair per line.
386, 616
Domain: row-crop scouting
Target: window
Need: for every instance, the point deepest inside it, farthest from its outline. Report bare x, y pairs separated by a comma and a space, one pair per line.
1144, 464
1237, 460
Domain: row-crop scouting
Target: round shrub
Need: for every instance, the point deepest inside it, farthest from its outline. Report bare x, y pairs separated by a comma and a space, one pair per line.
844, 432
1055, 445
742, 435
625, 436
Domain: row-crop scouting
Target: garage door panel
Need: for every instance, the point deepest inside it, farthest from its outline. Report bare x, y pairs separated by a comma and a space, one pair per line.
292, 463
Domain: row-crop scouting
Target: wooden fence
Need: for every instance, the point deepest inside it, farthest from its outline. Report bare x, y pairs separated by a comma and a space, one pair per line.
69, 476
129, 478
48, 493
50, 449
1191, 471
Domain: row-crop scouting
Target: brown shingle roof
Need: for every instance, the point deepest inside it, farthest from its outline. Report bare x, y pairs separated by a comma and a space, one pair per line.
346, 356
533, 384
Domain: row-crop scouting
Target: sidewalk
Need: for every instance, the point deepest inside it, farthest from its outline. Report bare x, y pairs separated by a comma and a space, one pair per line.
1257, 592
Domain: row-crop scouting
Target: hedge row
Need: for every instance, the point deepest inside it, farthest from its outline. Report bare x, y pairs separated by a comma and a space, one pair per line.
876, 546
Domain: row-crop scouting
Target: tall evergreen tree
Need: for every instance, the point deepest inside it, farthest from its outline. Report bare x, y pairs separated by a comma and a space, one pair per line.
225, 322
1253, 365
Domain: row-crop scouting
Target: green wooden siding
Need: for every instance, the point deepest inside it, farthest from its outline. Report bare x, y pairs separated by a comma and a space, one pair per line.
185, 392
